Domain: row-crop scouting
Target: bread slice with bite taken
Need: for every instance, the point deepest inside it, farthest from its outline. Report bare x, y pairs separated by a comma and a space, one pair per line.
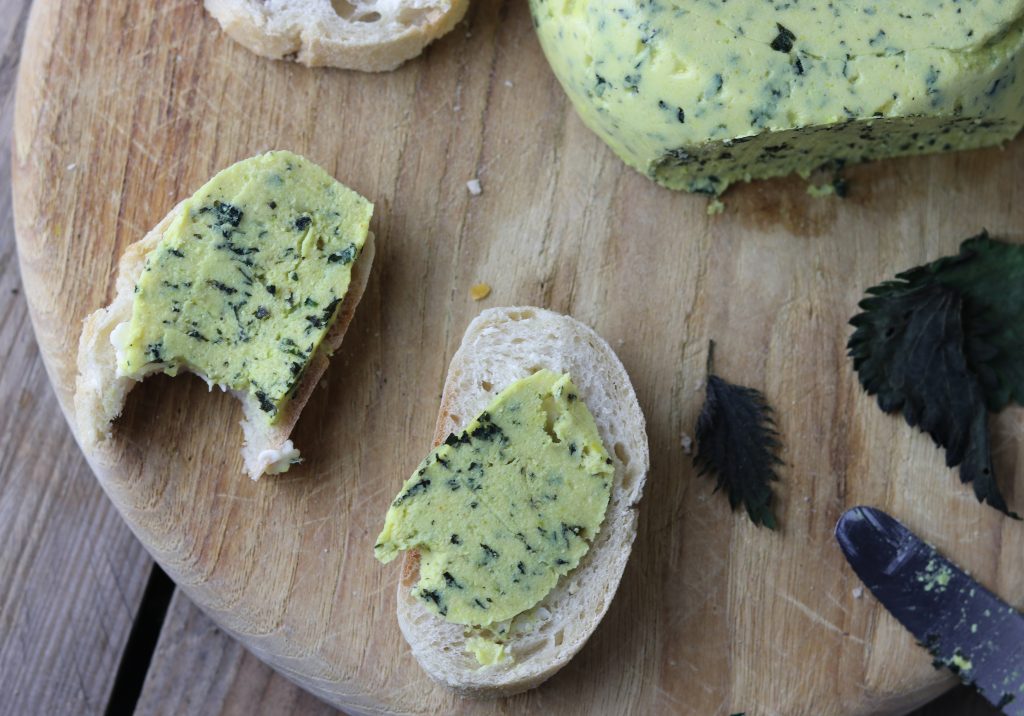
100, 393
367, 35
501, 346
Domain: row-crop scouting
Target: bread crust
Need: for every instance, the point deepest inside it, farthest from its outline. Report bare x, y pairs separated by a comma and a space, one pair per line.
500, 346
372, 37
100, 393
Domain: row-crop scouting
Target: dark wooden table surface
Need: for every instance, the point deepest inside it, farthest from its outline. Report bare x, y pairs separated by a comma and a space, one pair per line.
88, 623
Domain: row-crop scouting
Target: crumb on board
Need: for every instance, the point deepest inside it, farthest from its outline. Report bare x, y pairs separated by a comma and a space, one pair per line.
479, 291
715, 206
687, 443
858, 592
474, 187
819, 192
836, 186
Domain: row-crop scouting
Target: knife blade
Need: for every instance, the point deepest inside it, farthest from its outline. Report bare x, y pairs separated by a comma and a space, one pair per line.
964, 626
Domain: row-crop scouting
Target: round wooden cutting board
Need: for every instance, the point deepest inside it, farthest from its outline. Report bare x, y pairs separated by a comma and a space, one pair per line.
126, 107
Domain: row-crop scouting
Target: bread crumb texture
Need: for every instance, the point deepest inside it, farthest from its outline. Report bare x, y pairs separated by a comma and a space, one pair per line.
367, 35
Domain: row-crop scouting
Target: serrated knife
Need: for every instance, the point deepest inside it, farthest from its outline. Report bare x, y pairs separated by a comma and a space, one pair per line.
964, 626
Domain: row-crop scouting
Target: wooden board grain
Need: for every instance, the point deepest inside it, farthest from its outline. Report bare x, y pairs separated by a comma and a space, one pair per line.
124, 108
198, 670
71, 574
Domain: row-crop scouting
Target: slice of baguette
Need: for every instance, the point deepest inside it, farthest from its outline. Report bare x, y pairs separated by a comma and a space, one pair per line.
100, 392
500, 346
367, 35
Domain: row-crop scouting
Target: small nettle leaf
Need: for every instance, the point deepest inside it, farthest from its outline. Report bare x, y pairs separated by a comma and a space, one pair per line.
938, 346
737, 443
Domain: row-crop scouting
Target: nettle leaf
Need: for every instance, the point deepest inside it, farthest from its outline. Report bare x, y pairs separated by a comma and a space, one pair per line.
989, 276
737, 442
908, 350
942, 344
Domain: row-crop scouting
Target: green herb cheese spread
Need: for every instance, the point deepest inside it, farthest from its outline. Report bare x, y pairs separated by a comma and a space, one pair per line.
698, 94
486, 651
246, 281
502, 510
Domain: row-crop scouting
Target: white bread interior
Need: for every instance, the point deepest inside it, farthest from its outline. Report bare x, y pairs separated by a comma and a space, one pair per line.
367, 35
500, 346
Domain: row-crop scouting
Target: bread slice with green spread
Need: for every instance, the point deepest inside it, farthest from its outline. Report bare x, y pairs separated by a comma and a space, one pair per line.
250, 284
564, 364
367, 35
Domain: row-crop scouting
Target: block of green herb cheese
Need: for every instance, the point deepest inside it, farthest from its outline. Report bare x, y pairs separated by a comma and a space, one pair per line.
699, 94
244, 284
499, 512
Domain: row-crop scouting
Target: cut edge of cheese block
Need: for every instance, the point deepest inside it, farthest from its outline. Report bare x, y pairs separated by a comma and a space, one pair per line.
711, 168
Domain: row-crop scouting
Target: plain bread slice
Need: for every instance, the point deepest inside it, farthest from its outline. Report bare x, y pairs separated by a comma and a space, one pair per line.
367, 35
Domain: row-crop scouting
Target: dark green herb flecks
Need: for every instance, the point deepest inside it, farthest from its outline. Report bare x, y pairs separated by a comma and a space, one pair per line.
222, 287
778, 153
227, 214
783, 41
200, 297
470, 505
345, 256
265, 404
450, 581
431, 595
741, 69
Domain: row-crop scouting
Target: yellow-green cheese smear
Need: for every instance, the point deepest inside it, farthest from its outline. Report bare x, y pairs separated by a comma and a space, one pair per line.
698, 94
246, 281
502, 510
486, 651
